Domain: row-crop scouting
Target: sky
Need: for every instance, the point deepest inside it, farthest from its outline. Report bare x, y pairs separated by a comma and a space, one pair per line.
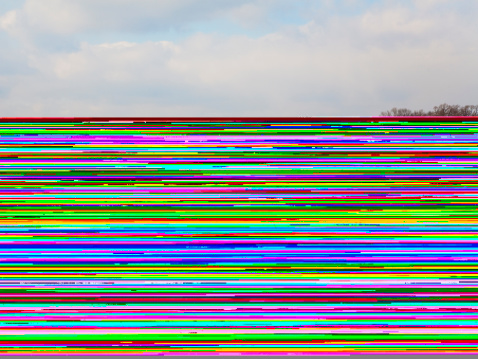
235, 57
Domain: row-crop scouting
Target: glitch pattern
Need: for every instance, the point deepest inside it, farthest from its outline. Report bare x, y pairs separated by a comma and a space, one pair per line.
239, 236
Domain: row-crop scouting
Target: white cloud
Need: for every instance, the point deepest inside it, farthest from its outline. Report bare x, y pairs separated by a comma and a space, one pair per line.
8, 20
387, 55
55, 16
73, 16
249, 14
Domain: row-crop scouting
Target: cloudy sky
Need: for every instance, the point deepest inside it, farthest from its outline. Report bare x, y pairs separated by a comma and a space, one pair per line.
235, 57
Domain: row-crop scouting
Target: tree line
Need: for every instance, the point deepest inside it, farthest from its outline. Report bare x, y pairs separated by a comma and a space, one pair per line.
441, 110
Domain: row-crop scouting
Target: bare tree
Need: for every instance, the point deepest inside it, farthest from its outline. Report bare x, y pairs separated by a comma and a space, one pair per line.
441, 110
398, 112
469, 110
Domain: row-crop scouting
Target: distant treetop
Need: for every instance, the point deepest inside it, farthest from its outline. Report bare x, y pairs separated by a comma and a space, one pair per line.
442, 110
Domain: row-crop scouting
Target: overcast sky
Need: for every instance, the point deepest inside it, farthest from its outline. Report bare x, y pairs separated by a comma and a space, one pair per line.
235, 57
